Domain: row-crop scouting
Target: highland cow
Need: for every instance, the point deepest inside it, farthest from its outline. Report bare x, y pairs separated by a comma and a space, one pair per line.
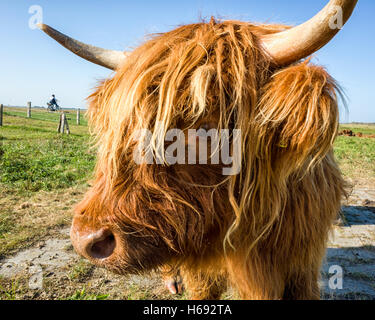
263, 230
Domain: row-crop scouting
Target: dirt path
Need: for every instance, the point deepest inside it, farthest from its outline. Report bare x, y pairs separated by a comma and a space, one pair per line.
52, 270
352, 247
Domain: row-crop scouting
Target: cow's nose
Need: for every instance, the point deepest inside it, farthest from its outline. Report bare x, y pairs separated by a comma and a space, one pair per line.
96, 245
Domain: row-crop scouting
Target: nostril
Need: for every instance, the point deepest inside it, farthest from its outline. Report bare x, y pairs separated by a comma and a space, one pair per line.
103, 247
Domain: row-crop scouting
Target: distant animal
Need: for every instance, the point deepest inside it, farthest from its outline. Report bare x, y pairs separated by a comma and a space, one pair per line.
263, 230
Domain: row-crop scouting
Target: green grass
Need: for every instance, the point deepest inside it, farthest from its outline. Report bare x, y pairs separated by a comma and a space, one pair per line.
54, 163
80, 271
356, 156
9, 293
42, 168
35, 157
83, 295
134, 292
43, 115
6, 222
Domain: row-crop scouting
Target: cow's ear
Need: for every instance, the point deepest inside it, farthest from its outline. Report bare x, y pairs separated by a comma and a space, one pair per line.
298, 114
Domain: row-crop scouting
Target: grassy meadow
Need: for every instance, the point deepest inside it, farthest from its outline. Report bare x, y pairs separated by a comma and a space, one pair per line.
35, 157
43, 174
39, 165
356, 155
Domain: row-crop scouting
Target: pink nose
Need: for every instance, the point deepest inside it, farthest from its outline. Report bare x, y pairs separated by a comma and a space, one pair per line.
96, 245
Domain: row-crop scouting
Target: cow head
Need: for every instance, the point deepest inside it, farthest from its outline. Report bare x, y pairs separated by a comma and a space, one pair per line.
217, 75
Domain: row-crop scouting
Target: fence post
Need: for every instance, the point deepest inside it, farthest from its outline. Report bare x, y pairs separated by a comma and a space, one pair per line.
78, 117
29, 109
60, 123
66, 124
1, 115
63, 123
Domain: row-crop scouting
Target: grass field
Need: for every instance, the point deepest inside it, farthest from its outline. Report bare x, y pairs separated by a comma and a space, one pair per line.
38, 164
356, 155
41, 167
35, 157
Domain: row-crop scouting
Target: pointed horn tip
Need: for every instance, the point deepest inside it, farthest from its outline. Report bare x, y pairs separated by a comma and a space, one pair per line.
301, 41
42, 26
110, 59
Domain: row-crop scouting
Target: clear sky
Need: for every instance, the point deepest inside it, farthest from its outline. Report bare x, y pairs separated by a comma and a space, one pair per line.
33, 66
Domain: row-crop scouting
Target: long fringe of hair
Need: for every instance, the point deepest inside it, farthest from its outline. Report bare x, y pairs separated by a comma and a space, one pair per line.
288, 119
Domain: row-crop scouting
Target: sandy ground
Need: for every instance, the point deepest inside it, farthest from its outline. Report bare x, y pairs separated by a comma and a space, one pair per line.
52, 270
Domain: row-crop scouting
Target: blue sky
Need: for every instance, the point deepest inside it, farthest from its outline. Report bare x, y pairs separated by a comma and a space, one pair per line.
32, 66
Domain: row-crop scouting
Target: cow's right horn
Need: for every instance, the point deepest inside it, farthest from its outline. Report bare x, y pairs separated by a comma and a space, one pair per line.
301, 41
110, 59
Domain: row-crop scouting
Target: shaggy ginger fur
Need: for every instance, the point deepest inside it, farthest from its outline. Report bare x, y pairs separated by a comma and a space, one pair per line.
264, 230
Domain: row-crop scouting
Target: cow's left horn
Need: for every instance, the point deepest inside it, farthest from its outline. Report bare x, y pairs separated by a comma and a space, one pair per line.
110, 59
301, 41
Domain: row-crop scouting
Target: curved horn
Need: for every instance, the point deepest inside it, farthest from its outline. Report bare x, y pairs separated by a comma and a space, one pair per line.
301, 41
110, 59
